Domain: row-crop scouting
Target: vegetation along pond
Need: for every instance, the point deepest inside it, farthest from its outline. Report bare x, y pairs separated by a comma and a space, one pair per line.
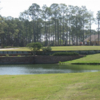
45, 69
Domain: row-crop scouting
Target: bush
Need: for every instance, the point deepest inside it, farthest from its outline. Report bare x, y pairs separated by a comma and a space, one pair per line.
84, 52
47, 49
8, 46
91, 52
18, 55
2, 45
65, 54
7, 55
34, 46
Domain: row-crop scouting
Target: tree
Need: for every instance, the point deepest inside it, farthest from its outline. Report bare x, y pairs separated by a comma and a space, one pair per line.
63, 13
54, 25
34, 46
3, 25
45, 18
98, 18
55, 15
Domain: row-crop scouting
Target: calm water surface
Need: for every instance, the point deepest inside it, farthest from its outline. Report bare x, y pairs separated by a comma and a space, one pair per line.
38, 69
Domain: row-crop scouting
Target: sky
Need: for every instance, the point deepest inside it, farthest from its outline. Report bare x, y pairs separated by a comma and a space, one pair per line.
15, 7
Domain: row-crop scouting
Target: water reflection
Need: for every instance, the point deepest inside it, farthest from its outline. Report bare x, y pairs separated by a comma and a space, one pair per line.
39, 69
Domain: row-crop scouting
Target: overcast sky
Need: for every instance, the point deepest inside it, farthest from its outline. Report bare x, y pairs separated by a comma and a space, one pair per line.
14, 7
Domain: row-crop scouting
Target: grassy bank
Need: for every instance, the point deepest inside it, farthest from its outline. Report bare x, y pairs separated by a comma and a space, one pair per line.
95, 58
78, 67
74, 86
57, 48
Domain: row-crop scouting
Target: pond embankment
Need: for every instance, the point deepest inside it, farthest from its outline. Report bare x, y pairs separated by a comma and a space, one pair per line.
36, 59
85, 63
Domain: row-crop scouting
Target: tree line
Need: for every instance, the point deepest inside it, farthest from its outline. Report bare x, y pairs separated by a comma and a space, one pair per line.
57, 24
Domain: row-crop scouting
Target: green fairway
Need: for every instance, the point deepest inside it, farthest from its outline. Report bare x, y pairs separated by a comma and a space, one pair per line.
74, 86
95, 58
56, 48
71, 48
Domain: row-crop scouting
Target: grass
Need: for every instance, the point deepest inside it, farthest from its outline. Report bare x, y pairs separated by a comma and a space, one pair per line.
58, 48
71, 48
95, 58
73, 86
78, 67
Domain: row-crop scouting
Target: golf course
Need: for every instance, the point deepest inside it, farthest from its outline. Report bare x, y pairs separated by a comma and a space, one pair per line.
55, 48
49, 51
55, 86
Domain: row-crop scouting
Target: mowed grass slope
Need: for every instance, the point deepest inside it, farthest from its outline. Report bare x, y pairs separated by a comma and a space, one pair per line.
95, 58
73, 86
56, 48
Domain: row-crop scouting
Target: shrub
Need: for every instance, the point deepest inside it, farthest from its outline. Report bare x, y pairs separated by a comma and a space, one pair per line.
8, 46
35, 46
7, 55
47, 49
84, 52
18, 55
2, 45
65, 54
91, 52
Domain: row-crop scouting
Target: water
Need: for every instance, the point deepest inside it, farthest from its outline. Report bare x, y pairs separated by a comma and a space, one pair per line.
39, 69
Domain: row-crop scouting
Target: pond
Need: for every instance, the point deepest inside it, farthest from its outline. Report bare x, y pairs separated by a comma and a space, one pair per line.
40, 69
